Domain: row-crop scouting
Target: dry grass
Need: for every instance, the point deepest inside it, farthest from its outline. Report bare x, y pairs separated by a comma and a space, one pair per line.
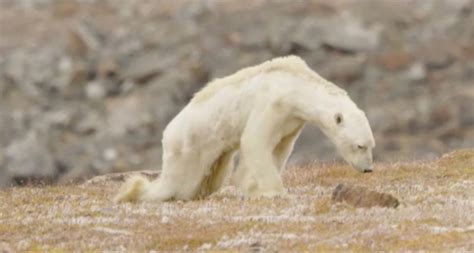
436, 213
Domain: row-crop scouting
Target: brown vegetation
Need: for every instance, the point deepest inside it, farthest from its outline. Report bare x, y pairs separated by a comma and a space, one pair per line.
435, 213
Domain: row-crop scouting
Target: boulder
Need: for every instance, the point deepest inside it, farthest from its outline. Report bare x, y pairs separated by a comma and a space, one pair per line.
346, 33
362, 197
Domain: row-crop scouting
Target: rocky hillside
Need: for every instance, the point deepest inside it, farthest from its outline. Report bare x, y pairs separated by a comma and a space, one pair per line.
87, 86
436, 202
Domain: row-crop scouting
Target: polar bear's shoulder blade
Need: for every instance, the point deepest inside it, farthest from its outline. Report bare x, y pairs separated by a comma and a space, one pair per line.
290, 64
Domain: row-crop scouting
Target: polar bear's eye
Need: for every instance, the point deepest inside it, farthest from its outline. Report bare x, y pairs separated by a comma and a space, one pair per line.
338, 118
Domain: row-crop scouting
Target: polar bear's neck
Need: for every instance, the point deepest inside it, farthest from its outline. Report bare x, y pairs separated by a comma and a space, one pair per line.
290, 64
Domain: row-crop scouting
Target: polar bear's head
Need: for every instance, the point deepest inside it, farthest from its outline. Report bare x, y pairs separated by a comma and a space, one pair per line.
348, 128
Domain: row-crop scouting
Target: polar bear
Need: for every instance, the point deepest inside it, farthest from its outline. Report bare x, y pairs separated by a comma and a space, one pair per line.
259, 112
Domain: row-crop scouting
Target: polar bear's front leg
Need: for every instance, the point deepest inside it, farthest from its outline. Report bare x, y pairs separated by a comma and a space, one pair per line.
259, 176
283, 150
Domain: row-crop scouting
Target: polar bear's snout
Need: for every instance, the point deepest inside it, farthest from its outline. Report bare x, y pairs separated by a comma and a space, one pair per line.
358, 156
365, 166
361, 161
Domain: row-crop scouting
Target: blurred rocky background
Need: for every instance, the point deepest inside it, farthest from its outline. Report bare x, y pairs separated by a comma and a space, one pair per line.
87, 86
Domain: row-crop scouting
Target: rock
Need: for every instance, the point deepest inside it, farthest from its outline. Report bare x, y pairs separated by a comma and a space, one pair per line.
110, 154
307, 35
146, 66
362, 197
416, 72
95, 90
437, 59
29, 157
442, 113
394, 60
77, 79
346, 33
345, 69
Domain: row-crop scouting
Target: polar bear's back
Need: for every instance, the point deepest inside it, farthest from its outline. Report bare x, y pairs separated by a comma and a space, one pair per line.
291, 64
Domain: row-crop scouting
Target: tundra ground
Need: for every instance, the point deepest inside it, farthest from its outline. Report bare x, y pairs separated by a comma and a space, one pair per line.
436, 213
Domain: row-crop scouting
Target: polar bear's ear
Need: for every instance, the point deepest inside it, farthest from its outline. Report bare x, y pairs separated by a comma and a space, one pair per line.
338, 118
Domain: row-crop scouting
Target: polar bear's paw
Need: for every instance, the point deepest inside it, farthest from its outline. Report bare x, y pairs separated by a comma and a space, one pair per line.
271, 193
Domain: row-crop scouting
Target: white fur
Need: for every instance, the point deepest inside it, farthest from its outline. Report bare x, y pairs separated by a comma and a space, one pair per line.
259, 112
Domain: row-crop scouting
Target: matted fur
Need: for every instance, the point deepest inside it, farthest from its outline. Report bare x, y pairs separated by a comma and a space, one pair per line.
291, 64
132, 189
258, 113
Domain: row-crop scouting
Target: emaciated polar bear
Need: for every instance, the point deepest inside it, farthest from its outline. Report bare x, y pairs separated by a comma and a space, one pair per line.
258, 111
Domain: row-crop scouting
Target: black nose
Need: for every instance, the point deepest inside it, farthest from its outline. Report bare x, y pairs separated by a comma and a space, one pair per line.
367, 170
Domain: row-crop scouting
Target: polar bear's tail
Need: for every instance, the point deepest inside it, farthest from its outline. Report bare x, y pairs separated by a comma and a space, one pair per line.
132, 189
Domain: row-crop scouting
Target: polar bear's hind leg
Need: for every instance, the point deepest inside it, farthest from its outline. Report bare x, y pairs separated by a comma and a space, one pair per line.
132, 189
180, 178
218, 173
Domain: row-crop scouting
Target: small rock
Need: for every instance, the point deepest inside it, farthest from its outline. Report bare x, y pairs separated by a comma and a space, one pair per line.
165, 220
362, 197
95, 90
416, 72
442, 113
110, 154
439, 60
256, 247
